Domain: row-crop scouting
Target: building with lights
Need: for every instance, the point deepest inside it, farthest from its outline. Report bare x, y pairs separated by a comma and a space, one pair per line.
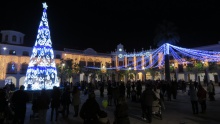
120, 65
14, 58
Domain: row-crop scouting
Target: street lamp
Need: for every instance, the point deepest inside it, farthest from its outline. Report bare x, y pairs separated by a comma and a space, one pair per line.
4, 49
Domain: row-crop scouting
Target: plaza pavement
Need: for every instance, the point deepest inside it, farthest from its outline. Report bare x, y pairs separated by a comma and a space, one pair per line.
177, 111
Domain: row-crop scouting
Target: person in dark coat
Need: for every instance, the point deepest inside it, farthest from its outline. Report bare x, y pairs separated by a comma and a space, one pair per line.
102, 88
121, 111
128, 87
202, 98
43, 102
3, 105
147, 98
122, 89
55, 102
66, 101
90, 110
139, 90
19, 100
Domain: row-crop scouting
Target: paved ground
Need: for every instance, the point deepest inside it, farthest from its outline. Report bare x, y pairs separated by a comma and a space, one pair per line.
177, 112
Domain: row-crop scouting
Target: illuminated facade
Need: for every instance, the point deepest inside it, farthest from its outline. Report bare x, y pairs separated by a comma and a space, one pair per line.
14, 59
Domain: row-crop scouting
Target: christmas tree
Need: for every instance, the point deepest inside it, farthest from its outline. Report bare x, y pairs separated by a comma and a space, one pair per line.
41, 71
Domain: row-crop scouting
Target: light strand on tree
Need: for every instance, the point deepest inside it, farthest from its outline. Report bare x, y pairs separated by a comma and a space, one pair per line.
41, 71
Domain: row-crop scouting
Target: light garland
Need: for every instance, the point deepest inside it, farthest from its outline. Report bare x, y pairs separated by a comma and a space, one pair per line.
41, 71
175, 51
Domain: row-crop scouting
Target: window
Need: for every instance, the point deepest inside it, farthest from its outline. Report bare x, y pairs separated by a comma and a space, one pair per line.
90, 64
180, 67
98, 64
108, 65
82, 63
25, 53
24, 67
130, 63
11, 68
14, 38
6, 38
58, 56
120, 63
12, 52
139, 63
113, 64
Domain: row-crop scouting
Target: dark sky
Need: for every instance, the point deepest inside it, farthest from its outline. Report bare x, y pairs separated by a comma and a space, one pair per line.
103, 24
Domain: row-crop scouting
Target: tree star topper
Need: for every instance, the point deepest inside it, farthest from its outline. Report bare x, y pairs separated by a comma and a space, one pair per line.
45, 5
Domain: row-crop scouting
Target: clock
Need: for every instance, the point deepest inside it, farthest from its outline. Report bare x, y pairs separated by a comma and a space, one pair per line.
120, 55
119, 49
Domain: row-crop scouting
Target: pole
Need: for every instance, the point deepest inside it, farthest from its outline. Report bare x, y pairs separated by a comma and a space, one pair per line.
167, 63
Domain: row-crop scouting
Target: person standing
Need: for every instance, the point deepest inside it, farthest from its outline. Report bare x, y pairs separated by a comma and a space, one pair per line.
122, 89
43, 102
90, 110
193, 98
76, 100
121, 111
139, 90
128, 87
147, 98
102, 88
3, 105
202, 97
55, 102
66, 100
211, 91
19, 100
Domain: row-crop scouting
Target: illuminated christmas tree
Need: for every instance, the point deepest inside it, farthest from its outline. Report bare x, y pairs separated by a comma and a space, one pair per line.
42, 72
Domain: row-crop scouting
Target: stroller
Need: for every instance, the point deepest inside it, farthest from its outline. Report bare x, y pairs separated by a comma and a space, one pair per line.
157, 109
35, 109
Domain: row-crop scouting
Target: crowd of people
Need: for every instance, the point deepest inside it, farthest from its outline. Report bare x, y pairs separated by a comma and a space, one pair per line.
59, 100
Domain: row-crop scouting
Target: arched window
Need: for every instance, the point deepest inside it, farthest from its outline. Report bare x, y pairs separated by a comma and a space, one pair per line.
11, 68
12, 52
24, 67
25, 53
14, 38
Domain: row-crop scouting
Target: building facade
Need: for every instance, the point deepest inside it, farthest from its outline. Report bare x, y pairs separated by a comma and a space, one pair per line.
117, 66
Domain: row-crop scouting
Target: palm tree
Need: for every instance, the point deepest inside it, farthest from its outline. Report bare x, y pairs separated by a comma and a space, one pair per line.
166, 33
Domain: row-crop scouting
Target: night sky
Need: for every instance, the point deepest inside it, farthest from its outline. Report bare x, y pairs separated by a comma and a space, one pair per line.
103, 24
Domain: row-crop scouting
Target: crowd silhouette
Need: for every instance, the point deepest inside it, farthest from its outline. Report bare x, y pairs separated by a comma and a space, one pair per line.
150, 94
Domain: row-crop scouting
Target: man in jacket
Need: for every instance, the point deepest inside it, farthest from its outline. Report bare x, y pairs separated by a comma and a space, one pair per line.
19, 100
147, 99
